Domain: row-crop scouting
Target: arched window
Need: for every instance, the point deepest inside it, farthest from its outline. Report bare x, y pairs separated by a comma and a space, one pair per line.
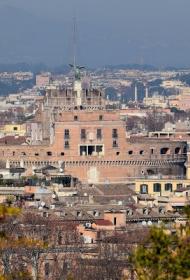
168, 187
150, 172
177, 150
130, 152
143, 189
157, 187
185, 150
164, 151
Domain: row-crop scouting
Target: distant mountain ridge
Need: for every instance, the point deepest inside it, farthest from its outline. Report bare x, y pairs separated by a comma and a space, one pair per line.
34, 68
133, 66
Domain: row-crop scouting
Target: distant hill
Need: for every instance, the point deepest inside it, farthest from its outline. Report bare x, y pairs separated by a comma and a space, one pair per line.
132, 66
34, 68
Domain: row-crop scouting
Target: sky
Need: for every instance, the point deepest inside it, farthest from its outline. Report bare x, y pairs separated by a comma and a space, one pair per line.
109, 32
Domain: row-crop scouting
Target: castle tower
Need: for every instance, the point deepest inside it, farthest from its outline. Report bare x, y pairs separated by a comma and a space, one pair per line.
77, 85
78, 89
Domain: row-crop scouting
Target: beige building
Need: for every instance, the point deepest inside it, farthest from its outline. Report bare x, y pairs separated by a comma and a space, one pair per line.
160, 187
43, 79
156, 101
13, 129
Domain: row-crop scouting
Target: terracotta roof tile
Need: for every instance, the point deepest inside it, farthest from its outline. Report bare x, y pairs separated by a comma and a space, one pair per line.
12, 140
103, 223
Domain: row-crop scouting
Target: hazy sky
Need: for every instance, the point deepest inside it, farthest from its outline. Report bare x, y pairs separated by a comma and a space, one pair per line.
109, 31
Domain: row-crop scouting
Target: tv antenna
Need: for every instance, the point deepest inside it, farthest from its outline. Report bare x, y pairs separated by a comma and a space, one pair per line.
76, 68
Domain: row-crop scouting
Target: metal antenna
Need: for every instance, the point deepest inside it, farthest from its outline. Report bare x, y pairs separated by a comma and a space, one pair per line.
74, 41
76, 68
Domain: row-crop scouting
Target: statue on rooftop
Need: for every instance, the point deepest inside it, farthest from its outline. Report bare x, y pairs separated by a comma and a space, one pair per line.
77, 71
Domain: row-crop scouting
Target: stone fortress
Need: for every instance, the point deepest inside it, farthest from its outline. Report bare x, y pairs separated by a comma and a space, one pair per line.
86, 139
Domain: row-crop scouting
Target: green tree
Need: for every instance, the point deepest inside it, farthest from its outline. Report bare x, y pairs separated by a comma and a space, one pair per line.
155, 259
164, 255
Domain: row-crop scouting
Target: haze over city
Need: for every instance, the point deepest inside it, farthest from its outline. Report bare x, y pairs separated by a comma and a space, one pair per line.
94, 140
109, 32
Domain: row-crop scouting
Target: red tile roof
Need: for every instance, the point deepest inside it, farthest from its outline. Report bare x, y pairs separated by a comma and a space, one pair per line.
103, 223
12, 140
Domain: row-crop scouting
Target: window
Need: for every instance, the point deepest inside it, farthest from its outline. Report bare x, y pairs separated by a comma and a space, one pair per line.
62, 153
157, 187
91, 150
15, 128
36, 154
75, 118
177, 150
45, 237
179, 186
143, 189
23, 153
66, 144
96, 213
164, 151
152, 151
145, 211
66, 134
60, 239
83, 134
150, 172
47, 268
79, 213
114, 133
49, 153
130, 152
129, 212
115, 144
99, 134
88, 150
185, 150
168, 187
141, 152
99, 148
83, 150
100, 118
115, 221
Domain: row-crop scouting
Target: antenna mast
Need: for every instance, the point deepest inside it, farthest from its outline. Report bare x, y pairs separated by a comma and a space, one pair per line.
74, 41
